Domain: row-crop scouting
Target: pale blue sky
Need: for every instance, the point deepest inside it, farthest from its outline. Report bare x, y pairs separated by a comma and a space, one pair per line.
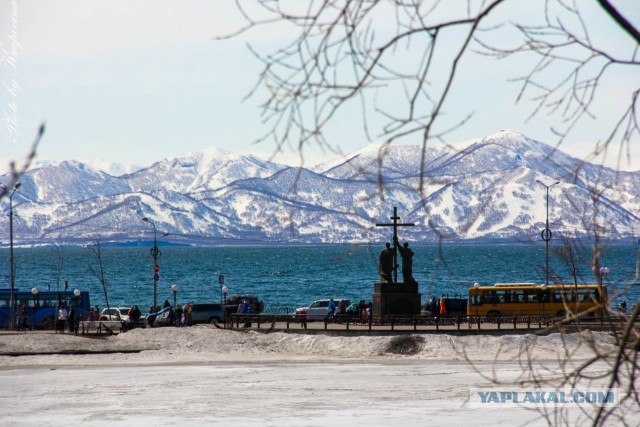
139, 81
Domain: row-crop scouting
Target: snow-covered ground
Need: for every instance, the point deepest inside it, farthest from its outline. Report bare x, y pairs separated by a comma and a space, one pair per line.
206, 376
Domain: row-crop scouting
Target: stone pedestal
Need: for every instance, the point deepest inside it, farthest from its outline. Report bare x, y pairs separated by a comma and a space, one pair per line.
398, 299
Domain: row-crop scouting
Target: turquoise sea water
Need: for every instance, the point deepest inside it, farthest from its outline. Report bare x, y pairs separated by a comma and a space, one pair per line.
292, 276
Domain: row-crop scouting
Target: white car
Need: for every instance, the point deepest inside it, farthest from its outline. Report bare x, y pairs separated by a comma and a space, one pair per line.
115, 314
319, 309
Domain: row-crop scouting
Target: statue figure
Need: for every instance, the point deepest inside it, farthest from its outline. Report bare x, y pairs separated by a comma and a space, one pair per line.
385, 264
407, 261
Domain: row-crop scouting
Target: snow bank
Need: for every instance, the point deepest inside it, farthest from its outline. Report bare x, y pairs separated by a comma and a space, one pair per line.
205, 344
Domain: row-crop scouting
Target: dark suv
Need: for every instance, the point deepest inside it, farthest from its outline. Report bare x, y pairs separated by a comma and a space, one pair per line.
256, 305
207, 313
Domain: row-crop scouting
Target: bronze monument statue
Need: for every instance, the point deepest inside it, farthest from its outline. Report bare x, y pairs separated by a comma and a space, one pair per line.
391, 298
386, 263
407, 261
394, 263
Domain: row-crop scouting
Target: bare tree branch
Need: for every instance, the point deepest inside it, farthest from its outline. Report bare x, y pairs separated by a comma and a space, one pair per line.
15, 172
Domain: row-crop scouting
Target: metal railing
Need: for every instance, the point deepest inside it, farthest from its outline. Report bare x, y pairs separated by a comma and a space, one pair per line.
347, 322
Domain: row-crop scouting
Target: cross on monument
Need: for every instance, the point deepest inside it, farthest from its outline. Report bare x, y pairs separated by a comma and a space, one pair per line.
395, 226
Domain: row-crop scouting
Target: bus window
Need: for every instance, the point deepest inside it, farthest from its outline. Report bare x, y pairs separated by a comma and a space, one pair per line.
490, 297
529, 296
474, 299
585, 295
517, 296
500, 295
544, 296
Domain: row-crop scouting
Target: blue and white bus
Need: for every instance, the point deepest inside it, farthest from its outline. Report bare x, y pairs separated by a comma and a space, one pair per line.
39, 308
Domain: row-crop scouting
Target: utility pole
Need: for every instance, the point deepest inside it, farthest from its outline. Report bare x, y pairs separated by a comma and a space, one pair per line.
155, 253
546, 233
12, 301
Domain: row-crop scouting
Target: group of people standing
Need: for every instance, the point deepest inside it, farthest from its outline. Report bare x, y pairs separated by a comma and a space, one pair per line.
180, 316
65, 318
438, 308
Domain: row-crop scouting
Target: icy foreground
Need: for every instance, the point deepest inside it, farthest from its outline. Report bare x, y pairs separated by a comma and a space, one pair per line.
205, 376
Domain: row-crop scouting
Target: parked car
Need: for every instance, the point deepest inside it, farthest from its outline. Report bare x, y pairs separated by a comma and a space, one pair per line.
319, 309
234, 301
354, 310
163, 318
207, 313
124, 314
115, 313
153, 317
454, 306
142, 322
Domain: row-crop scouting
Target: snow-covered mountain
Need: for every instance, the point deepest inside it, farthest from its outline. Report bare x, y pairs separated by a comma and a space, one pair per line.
113, 169
484, 188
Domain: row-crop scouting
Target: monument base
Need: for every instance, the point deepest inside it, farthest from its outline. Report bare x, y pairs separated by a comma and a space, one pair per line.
395, 299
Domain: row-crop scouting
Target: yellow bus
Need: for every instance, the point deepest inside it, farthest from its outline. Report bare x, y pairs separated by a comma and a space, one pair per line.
537, 300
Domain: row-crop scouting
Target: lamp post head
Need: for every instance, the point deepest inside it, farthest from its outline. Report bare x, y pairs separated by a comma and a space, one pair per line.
476, 285
174, 288
604, 271
545, 185
76, 292
6, 189
34, 291
225, 290
543, 286
146, 219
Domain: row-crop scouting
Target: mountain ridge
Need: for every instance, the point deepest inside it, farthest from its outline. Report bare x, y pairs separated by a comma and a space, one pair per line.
485, 188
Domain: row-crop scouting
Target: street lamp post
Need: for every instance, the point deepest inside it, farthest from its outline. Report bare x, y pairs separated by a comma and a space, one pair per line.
604, 271
221, 284
476, 286
34, 292
76, 318
12, 301
543, 296
155, 253
224, 306
174, 288
546, 233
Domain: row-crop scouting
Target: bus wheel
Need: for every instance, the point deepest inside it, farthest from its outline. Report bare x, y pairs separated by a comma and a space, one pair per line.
48, 322
493, 315
561, 314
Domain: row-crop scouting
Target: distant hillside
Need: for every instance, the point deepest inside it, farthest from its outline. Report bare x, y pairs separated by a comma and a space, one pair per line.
481, 189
